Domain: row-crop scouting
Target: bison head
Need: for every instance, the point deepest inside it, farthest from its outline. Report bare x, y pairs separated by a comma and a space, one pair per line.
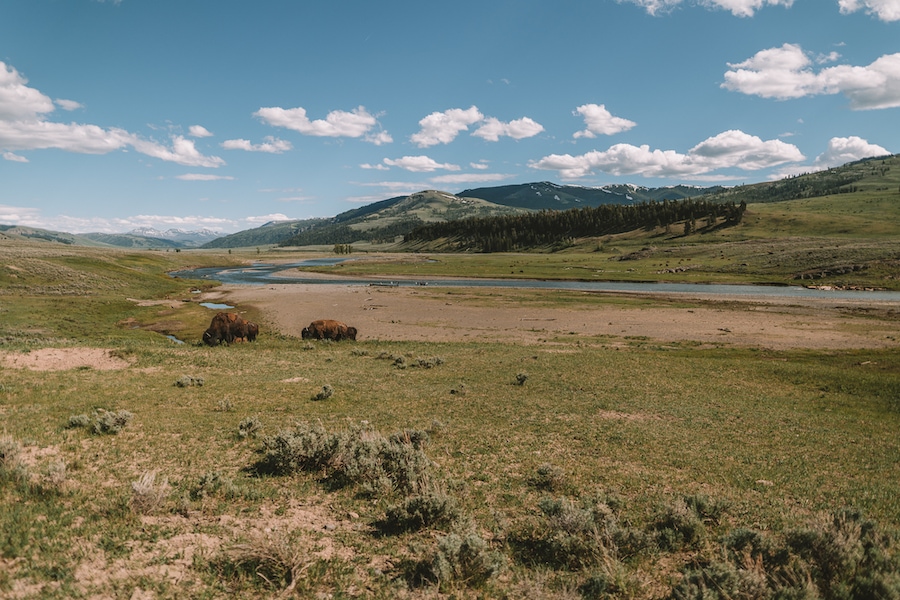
351, 333
211, 337
306, 333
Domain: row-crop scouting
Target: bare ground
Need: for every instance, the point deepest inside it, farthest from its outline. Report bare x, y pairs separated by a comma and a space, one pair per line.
436, 314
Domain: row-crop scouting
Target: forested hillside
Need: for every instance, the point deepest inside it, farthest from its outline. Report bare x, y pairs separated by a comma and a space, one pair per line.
558, 228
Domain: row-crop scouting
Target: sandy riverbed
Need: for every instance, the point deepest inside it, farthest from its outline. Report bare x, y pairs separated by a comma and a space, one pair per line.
442, 314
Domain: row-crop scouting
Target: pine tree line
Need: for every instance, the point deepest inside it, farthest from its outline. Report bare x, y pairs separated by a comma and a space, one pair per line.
554, 228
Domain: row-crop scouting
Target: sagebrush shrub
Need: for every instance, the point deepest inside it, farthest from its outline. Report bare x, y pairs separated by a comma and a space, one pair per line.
188, 381
549, 477
431, 509
325, 393
359, 455
249, 427
678, 526
465, 559
106, 421
568, 536
81, 420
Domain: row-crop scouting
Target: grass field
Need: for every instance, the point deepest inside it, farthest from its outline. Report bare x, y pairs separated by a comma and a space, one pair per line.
582, 468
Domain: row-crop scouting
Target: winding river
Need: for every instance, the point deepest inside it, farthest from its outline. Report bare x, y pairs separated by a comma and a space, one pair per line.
265, 273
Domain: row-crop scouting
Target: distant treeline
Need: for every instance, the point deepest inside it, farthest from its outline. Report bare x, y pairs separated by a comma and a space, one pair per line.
552, 228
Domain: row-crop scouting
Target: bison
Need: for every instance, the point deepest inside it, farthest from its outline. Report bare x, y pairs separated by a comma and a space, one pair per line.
229, 328
328, 329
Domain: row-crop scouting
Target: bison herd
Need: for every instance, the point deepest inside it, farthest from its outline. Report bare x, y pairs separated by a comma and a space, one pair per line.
231, 328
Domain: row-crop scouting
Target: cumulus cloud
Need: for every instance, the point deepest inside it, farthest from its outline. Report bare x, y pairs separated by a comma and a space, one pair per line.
204, 177
357, 123
728, 149
270, 145
787, 72
199, 131
23, 126
443, 127
69, 105
739, 8
886, 10
14, 157
842, 150
517, 129
376, 167
419, 164
600, 121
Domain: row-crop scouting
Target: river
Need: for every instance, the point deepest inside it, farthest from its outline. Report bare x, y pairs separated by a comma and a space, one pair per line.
266, 273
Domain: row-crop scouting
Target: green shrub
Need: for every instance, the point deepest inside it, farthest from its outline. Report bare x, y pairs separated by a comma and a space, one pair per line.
105, 421
457, 560
358, 455
431, 509
214, 483
567, 536
249, 427
678, 526
189, 381
549, 478
101, 421
325, 393
76, 421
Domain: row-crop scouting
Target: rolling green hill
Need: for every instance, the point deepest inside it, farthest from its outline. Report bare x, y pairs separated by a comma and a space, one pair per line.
391, 219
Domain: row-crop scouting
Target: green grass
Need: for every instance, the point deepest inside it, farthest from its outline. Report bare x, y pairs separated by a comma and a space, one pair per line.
774, 441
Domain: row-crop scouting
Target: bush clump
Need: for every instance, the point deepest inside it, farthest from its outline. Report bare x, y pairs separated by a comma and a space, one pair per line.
432, 509
148, 494
189, 381
359, 455
325, 393
102, 421
249, 427
457, 560
569, 536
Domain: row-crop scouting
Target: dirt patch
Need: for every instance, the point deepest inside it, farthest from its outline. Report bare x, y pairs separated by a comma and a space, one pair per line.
438, 314
63, 359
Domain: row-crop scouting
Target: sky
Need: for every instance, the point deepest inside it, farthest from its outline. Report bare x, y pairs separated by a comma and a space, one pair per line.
227, 114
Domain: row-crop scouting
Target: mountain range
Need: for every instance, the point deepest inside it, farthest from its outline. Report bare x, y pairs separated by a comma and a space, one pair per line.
389, 220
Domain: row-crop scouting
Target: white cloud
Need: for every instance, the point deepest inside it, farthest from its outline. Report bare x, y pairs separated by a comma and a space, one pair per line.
270, 145
380, 138
745, 8
600, 121
419, 164
443, 127
469, 178
199, 131
23, 127
338, 123
739, 8
69, 105
263, 219
726, 150
786, 72
17, 100
182, 152
481, 166
14, 157
517, 129
886, 10
842, 150
376, 167
204, 177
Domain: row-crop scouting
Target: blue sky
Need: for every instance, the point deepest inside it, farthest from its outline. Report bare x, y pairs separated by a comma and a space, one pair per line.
226, 114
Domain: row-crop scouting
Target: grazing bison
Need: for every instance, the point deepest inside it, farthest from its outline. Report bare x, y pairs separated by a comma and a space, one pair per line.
328, 329
229, 328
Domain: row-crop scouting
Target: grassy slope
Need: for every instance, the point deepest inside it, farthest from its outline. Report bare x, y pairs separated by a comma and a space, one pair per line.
778, 437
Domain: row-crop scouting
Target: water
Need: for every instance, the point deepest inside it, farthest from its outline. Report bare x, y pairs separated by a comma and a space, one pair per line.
216, 306
263, 274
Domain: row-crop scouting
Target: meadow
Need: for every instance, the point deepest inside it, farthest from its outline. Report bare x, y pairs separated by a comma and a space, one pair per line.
581, 467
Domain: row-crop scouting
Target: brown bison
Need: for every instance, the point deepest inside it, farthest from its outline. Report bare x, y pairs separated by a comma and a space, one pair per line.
229, 328
328, 329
